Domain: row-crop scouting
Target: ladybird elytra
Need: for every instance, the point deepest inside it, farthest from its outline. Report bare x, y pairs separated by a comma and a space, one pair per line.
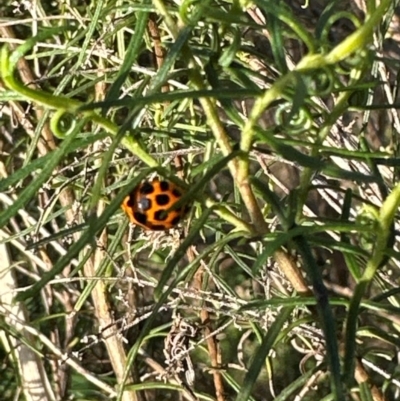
150, 205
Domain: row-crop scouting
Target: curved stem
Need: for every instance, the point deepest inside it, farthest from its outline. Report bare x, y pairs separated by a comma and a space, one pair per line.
63, 105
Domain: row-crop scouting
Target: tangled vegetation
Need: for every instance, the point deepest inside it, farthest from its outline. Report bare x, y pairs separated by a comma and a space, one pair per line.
279, 121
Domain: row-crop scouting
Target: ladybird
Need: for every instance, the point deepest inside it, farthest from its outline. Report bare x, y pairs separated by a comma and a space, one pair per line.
150, 205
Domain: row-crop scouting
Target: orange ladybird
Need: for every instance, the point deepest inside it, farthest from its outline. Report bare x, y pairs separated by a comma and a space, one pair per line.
150, 205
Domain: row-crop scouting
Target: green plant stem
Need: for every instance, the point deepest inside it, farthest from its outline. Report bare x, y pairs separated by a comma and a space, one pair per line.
352, 43
64, 105
214, 122
385, 220
362, 36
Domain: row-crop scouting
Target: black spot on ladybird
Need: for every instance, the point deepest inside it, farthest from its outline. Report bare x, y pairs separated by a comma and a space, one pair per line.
162, 199
140, 218
160, 215
146, 188
164, 186
176, 193
175, 220
157, 227
131, 201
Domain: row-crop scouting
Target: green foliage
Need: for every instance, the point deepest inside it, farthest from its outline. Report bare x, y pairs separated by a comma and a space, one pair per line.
280, 123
